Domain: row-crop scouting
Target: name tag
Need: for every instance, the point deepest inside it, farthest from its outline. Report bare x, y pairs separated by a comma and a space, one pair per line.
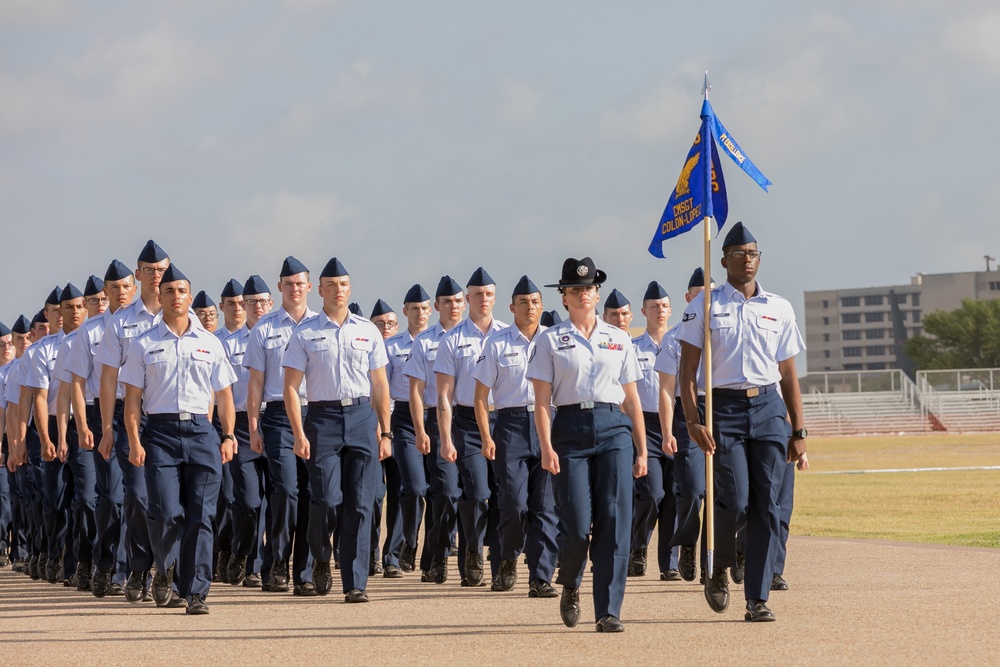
157, 356
272, 342
130, 331
318, 344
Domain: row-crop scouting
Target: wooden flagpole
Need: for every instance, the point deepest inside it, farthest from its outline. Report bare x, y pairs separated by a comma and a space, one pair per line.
706, 374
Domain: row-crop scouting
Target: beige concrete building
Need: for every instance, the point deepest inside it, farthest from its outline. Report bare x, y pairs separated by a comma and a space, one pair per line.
864, 329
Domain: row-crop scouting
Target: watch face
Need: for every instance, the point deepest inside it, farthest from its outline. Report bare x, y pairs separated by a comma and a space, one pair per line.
802, 433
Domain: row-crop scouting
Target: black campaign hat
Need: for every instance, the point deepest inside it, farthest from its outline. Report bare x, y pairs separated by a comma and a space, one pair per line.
580, 272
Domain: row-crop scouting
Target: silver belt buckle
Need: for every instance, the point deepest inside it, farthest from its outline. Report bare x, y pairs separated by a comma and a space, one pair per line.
587, 405
755, 391
346, 402
529, 408
490, 408
184, 416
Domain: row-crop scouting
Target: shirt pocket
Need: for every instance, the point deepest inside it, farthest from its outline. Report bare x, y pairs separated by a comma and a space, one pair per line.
511, 360
768, 330
360, 349
272, 342
646, 362
431, 354
158, 365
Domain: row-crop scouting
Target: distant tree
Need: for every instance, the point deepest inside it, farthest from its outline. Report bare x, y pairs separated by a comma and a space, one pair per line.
965, 338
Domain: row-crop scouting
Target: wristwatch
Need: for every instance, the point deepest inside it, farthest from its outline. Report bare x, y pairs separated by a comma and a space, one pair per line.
801, 433
227, 436
386, 434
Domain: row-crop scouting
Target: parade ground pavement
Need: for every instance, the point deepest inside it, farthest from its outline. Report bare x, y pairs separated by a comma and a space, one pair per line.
850, 602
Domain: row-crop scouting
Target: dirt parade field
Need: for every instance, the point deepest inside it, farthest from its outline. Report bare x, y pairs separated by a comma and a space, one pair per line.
850, 601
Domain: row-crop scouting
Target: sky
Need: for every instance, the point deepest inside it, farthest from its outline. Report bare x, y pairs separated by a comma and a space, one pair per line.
412, 140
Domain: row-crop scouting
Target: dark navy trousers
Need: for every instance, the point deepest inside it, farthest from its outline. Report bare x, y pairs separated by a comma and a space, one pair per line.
393, 544
689, 483
477, 513
109, 542
58, 491
751, 437
785, 502
343, 467
594, 501
8, 544
525, 495
442, 498
84, 502
412, 483
289, 500
138, 512
251, 481
654, 502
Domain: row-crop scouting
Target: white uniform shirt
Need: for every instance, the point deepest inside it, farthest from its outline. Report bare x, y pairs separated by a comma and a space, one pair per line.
503, 367
398, 350
335, 359
177, 374
266, 347
41, 371
581, 369
457, 357
235, 345
749, 336
646, 351
81, 360
122, 328
420, 365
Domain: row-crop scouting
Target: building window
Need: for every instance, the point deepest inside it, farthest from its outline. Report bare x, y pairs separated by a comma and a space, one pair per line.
854, 367
826, 338
878, 366
826, 354
850, 301
994, 287
850, 318
826, 304
874, 317
852, 351
851, 335
916, 299
875, 350
872, 334
916, 331
874, 300
902, 316
916, 316
900, 298
826, 321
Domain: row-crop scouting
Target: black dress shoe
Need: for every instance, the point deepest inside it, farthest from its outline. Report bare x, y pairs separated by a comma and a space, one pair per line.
221, 573
355, 596
778, 583
31, 570
322, 579
252, 580
392, 572
237, 569
425, 577
306, 589
279, 576
670, 575
55, 570
569, 606
18, 565
196, 605
116, 590
739, 570
474, 567
637, 563
541, 589
701, 579
757, 612
162, 591
83, 576
610, 624
439, 569
717, 590
135, 587
685, 563
408, 558
100, 585
507, 576
174, 601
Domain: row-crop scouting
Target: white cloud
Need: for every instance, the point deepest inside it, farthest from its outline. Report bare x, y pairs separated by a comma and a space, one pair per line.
661, 115
519, 102
36, 12
976, 39
115, 81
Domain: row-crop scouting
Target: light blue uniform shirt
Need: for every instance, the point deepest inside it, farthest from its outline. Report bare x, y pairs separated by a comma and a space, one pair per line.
12, 390
81, 359
503, 367
266, 347
457, 357
235, 345
121, 329
584, 370
41, 371
4, 370
336, 359
749, 337
59, 372
423, 354
646, 351
397, 348
177, 374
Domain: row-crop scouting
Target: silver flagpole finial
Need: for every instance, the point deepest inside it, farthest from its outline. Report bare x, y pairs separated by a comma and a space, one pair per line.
706, 87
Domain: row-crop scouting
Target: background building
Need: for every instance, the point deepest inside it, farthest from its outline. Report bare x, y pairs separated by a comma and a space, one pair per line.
864, 329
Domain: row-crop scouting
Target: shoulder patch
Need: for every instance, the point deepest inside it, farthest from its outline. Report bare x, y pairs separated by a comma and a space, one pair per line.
687, 317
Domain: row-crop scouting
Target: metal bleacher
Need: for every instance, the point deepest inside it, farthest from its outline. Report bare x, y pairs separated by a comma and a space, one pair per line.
888, 402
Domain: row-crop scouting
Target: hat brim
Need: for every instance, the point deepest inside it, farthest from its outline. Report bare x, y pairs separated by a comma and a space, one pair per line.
598, 279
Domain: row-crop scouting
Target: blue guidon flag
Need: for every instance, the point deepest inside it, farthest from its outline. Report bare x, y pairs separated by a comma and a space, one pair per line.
701, 189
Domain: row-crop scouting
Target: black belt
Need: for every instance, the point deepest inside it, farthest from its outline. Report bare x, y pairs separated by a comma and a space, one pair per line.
466, 411
745, 393
119, 403
175, 417
344, 403
650, 415
401, 405
280, 405
519, 410
586, 405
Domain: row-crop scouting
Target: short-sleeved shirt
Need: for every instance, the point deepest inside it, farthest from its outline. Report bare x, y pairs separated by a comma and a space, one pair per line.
397, 348
59, 372
266, 347
750, 337
581, 369
81, 360
41, 371
4, 370
457, 357
335, 359
177, 373
423, 354
122, 327
235, 345
646, 351
12, 390
503, 367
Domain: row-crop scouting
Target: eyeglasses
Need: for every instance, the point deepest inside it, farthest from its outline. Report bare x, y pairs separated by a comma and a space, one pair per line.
386, 325
150, 270
98, 301
742, 254
6, 343
253, 303
208, 316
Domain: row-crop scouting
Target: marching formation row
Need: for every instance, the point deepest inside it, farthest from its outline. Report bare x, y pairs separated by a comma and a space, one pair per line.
155, 445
